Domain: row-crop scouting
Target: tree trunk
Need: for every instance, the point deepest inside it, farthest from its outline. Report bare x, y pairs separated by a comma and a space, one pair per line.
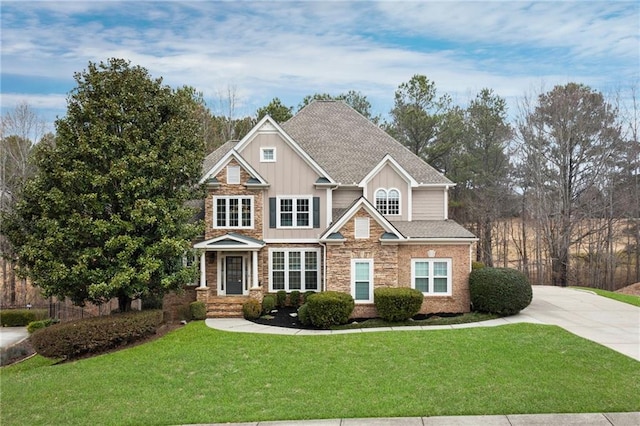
124, 303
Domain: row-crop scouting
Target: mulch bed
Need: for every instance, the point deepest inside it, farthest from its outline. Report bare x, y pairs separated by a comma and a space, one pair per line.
282, 317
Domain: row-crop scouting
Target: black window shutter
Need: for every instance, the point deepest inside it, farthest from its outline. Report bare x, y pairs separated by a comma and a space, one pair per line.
272, 212
316, 212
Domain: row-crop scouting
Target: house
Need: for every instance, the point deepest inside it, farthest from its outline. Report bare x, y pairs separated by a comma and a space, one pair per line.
328, 201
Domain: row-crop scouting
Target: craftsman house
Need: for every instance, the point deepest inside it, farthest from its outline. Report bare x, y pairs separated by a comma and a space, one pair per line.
328, 201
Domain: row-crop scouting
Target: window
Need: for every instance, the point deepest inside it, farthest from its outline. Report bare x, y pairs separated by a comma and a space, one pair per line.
294, 212
431, 276
362, 227
233, 175
233, 212
388, 201
362, 280
267, 155
294, 269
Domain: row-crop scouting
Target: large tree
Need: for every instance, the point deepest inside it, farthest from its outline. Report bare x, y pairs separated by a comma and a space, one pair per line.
355, 100
418, 120
277, 110
569, 142
105, 215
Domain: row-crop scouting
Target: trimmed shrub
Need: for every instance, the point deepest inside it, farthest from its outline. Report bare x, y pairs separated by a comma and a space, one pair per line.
94, 335
502, 291
268, 303
477, 265
251, 309
198, 310
294, 298
37, 325
151, 301
281, 298
329, 308
303, 314
306, 295
397, 304
21, 317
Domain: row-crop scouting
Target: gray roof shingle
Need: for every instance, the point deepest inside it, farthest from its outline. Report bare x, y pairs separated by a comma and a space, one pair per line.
432, 229
348, 146
215, 156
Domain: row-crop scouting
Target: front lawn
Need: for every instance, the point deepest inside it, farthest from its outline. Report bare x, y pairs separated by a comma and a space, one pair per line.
200, 375
620, 297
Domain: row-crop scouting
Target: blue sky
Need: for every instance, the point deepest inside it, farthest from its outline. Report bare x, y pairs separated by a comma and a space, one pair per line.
263, 50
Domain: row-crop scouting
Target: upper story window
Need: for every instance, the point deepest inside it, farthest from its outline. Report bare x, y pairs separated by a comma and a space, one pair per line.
362, 227
233, 175
294, 212
233, 212
388, 201
267, 155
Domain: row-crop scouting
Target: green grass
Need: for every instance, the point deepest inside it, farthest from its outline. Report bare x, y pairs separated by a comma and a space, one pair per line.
201, 375
626, 298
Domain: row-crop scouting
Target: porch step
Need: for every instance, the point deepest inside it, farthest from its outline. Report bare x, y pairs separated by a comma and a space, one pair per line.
225, 307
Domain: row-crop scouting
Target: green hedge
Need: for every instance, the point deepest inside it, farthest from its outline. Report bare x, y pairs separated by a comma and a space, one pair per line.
329, 308
281, 298
94, 335
268, 303
251, 309
37, 325
502, 291
294, 298
198, 310
397, 303
303, 314
21, 317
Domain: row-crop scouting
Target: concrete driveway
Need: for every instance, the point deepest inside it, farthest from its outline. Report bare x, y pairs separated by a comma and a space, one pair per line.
613, 324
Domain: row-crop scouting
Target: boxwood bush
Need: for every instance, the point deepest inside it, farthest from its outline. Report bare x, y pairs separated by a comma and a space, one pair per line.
94, 335
268, 303
303, 314
198, 310
397, 303
281, 298
37, 325
21, 317
502, 291
294, 298
251, 309
329, 308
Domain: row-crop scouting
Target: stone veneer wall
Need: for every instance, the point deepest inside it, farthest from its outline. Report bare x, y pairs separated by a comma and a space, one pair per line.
392, 267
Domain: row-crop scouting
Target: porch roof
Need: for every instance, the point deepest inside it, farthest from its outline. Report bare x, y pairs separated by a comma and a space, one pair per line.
231, 242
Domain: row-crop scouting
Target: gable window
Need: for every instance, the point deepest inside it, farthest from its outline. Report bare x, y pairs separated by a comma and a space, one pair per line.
267, 155
233, 212
362, 227
362, 280
294, 212
388, 201
294, 269
431, 276
233, 175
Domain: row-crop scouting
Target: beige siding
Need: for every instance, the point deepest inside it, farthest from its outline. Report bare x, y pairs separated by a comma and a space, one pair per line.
428, 204
387, 178
289, 175
343, 198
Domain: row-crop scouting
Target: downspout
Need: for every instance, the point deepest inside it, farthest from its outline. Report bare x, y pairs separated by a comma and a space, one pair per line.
324, 267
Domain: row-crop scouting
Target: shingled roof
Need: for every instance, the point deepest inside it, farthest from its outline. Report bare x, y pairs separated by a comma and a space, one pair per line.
432, 229
348, 146
215, 156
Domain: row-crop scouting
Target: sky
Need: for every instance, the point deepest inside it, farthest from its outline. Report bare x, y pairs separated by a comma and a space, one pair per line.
268, 49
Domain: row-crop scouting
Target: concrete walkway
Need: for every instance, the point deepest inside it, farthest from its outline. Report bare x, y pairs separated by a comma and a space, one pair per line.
12, 335
608, 322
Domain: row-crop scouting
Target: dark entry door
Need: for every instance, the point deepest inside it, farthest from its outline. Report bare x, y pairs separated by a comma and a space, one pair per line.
234, 274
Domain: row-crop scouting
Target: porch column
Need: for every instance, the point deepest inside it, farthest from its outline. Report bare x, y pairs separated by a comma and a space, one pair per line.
254, 268
203, 269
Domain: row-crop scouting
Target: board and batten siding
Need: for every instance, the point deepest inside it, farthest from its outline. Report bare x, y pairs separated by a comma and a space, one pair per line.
429, 204
289, 175
387, 178
343, 198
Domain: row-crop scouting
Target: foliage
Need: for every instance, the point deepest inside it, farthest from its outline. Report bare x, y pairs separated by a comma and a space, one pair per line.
37, 325
303, 314
329, 308
105, 215
268, 303
502, 291
74, 339
355, 100
294, 298
306, 295
397, 303
276, 110
151, 301
198, 310
593, 378
281, 298
477, 265
21, 317
251, 309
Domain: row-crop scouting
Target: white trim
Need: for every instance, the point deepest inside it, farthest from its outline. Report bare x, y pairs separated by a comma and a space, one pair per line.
395, 165
263, 150
302, 270
452, 241
373, 212
227, 218
386, 195
225, 160
243, 244
291, 240
294, 211
409, 202
446, 203
203, 270
430, 275
329, 206
222, 273
353, 279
